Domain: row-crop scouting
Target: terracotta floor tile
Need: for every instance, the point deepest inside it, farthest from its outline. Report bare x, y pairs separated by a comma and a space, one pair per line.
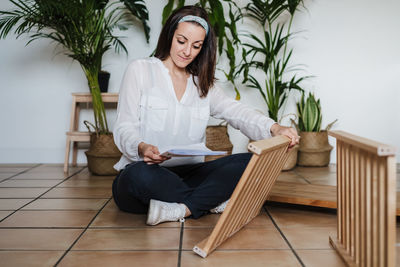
29, 258
18, 165
78, 192
11, 169
111, 206
317, 258
247, 238
13, 203
309, 238
29, 183
292, 217
103, 182
37, 239
49, 219
54, 168
125, 219
66, 204
120, 258
4, 213
290, 176
41, 175
5, 175
129, 239
264, 258
21, 192
210, 220
83, 175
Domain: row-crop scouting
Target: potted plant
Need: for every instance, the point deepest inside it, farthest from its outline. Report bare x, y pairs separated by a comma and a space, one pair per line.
271, 56
314, 150
84, 28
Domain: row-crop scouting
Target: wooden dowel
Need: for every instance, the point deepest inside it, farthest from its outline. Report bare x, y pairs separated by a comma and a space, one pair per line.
357, 242
382, 211
391, 209
375, 214
363, 214
368, 216
347, 199
339, 176
352, 200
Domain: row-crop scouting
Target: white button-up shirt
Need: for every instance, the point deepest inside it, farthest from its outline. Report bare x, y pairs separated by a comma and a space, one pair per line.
148, 111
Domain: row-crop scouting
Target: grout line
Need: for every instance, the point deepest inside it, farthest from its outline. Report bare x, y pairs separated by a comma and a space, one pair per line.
284, 237
84, 231
24, 171
180, 244
49, 188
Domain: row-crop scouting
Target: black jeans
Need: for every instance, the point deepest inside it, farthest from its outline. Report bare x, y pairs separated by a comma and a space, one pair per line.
200, 186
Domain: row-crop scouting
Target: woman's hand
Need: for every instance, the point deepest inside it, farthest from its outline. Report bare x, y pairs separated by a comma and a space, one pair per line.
150, 154
277, 129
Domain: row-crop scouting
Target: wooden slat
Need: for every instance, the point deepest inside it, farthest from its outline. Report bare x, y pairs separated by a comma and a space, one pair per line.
247, 198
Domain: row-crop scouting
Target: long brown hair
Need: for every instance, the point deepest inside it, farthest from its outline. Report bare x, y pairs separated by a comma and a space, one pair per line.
203, 66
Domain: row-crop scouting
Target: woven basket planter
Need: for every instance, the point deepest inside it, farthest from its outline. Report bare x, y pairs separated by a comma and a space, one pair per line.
217, 139
292, 159
314, 150
102, 155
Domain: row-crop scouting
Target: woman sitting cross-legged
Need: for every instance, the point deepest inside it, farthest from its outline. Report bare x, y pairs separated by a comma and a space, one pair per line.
165, 101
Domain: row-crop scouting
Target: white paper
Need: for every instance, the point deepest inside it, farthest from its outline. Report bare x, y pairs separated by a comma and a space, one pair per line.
189, 151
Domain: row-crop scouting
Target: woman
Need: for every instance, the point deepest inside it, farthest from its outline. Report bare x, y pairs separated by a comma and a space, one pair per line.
165, 101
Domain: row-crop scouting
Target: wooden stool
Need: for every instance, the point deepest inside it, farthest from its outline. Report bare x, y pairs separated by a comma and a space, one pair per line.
73, 135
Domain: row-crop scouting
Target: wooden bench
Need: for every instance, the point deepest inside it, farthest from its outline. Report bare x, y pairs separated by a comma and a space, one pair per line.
74, 136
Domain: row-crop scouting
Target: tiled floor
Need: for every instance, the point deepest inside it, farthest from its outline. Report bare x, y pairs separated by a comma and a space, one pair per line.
48, 218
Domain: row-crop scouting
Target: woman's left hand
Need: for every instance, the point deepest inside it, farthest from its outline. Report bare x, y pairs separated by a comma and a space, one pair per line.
277, 129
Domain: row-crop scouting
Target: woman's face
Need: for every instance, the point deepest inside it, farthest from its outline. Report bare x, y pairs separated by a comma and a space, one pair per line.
186, 43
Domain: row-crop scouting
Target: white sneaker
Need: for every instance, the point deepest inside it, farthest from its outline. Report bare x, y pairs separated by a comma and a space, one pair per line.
220, 208
160, 211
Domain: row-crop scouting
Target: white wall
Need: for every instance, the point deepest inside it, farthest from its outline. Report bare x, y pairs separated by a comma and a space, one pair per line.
351, 47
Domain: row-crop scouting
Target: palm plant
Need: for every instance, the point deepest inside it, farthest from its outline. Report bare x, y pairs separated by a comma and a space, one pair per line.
270, 53
84, 28
225, 29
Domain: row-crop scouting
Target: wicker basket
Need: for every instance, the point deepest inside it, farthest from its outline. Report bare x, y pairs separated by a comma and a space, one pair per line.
217, 138
102, 155
292, 159
314, 150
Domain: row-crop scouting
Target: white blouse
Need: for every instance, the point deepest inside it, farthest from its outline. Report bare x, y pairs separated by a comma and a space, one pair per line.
148, 111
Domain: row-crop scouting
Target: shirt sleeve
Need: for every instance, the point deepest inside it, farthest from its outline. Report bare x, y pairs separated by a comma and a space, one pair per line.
127, 134
250, 122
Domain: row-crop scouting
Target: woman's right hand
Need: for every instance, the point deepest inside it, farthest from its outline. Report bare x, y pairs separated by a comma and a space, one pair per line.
150, 154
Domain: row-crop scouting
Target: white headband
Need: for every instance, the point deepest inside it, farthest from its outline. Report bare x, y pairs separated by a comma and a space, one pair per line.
197, 19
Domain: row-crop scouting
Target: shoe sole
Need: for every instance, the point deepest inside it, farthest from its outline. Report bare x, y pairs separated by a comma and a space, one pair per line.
151, 216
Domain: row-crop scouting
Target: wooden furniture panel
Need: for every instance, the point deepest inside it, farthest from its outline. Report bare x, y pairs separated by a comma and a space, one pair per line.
366, 201
250, 193
74, 136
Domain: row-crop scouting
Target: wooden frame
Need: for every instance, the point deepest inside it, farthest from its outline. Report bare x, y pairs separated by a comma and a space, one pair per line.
250, 193
73, 135
366, 201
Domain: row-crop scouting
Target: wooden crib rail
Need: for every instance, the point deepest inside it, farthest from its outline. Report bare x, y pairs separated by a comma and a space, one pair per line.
250, 193
366, 201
